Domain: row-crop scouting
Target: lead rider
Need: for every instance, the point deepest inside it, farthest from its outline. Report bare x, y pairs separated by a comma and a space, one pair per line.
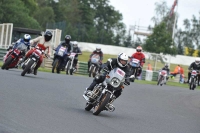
120, 62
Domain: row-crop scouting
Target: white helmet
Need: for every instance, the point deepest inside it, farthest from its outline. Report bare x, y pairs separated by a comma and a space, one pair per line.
122, 59
27, 38
75, 44
197, 61
98, 49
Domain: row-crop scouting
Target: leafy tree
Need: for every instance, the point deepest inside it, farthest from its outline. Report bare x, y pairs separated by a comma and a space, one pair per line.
160, 41
128, 41
138, 42
14, 11
44, 15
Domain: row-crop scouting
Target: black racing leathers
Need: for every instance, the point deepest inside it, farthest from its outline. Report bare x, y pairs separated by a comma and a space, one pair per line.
111, 64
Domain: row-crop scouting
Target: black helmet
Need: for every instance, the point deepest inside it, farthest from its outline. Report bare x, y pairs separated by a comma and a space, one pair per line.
67, 38
47, 36
166, 65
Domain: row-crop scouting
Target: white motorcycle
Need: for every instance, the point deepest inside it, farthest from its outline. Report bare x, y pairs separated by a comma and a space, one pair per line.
94, 65
70, 69
193, 79
162, 77
102, 96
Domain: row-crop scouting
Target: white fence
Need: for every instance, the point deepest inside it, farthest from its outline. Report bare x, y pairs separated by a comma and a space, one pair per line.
5, 34
114, 50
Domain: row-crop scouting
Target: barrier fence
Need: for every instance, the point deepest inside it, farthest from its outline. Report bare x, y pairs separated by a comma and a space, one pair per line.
82, 68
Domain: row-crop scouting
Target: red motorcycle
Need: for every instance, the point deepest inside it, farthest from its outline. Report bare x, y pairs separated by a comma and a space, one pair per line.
30, 63
14, 56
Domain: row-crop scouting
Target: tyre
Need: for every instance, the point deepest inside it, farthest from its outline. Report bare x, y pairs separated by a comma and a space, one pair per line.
55, 65
68, 67
133, 73
7, 62
28, 66
88, 107
100, 107
91, 70
159, 80
192, 84
94, 71
71, 71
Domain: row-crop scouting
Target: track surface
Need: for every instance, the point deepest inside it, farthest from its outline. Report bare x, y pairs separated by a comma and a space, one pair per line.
53, 103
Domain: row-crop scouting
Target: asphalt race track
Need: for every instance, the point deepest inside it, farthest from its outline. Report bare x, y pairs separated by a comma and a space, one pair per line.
53, 103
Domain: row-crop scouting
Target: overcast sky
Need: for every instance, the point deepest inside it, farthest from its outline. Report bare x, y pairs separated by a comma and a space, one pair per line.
140, 12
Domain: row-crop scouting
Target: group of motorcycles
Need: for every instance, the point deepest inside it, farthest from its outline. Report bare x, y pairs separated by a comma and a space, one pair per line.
102, 96
15, 57
59, 57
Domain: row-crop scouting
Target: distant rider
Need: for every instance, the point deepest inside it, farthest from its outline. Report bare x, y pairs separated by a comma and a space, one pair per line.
26, 40
77, 50
97, 52
140, 56
68, 46
194, 66
43, 42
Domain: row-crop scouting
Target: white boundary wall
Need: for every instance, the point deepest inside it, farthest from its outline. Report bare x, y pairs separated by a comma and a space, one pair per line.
114, 50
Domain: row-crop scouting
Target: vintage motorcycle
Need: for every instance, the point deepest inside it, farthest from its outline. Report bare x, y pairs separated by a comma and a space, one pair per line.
193, 79
29, 64
70, 69
102, 96
94, 65
14, 56
60, 53
162, 77
134, 66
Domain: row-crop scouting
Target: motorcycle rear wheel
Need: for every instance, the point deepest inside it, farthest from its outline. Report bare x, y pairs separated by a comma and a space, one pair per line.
7, 62
101, 106
28, 66
88, 107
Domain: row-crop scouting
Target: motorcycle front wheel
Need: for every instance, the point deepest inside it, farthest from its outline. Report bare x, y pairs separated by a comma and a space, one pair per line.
28, 66
55, 65
91, 71
192, 84
159, 80
7, 62
68, 67
101, 106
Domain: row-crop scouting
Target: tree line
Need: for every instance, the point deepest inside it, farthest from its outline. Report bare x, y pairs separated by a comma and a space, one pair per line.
85, 20
97, 21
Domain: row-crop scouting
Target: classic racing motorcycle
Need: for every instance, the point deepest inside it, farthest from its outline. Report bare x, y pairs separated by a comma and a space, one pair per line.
162, 77
70, 69
29, 64
14, 56
102, 96
134, 67
59, 55
193, 79
94, 65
